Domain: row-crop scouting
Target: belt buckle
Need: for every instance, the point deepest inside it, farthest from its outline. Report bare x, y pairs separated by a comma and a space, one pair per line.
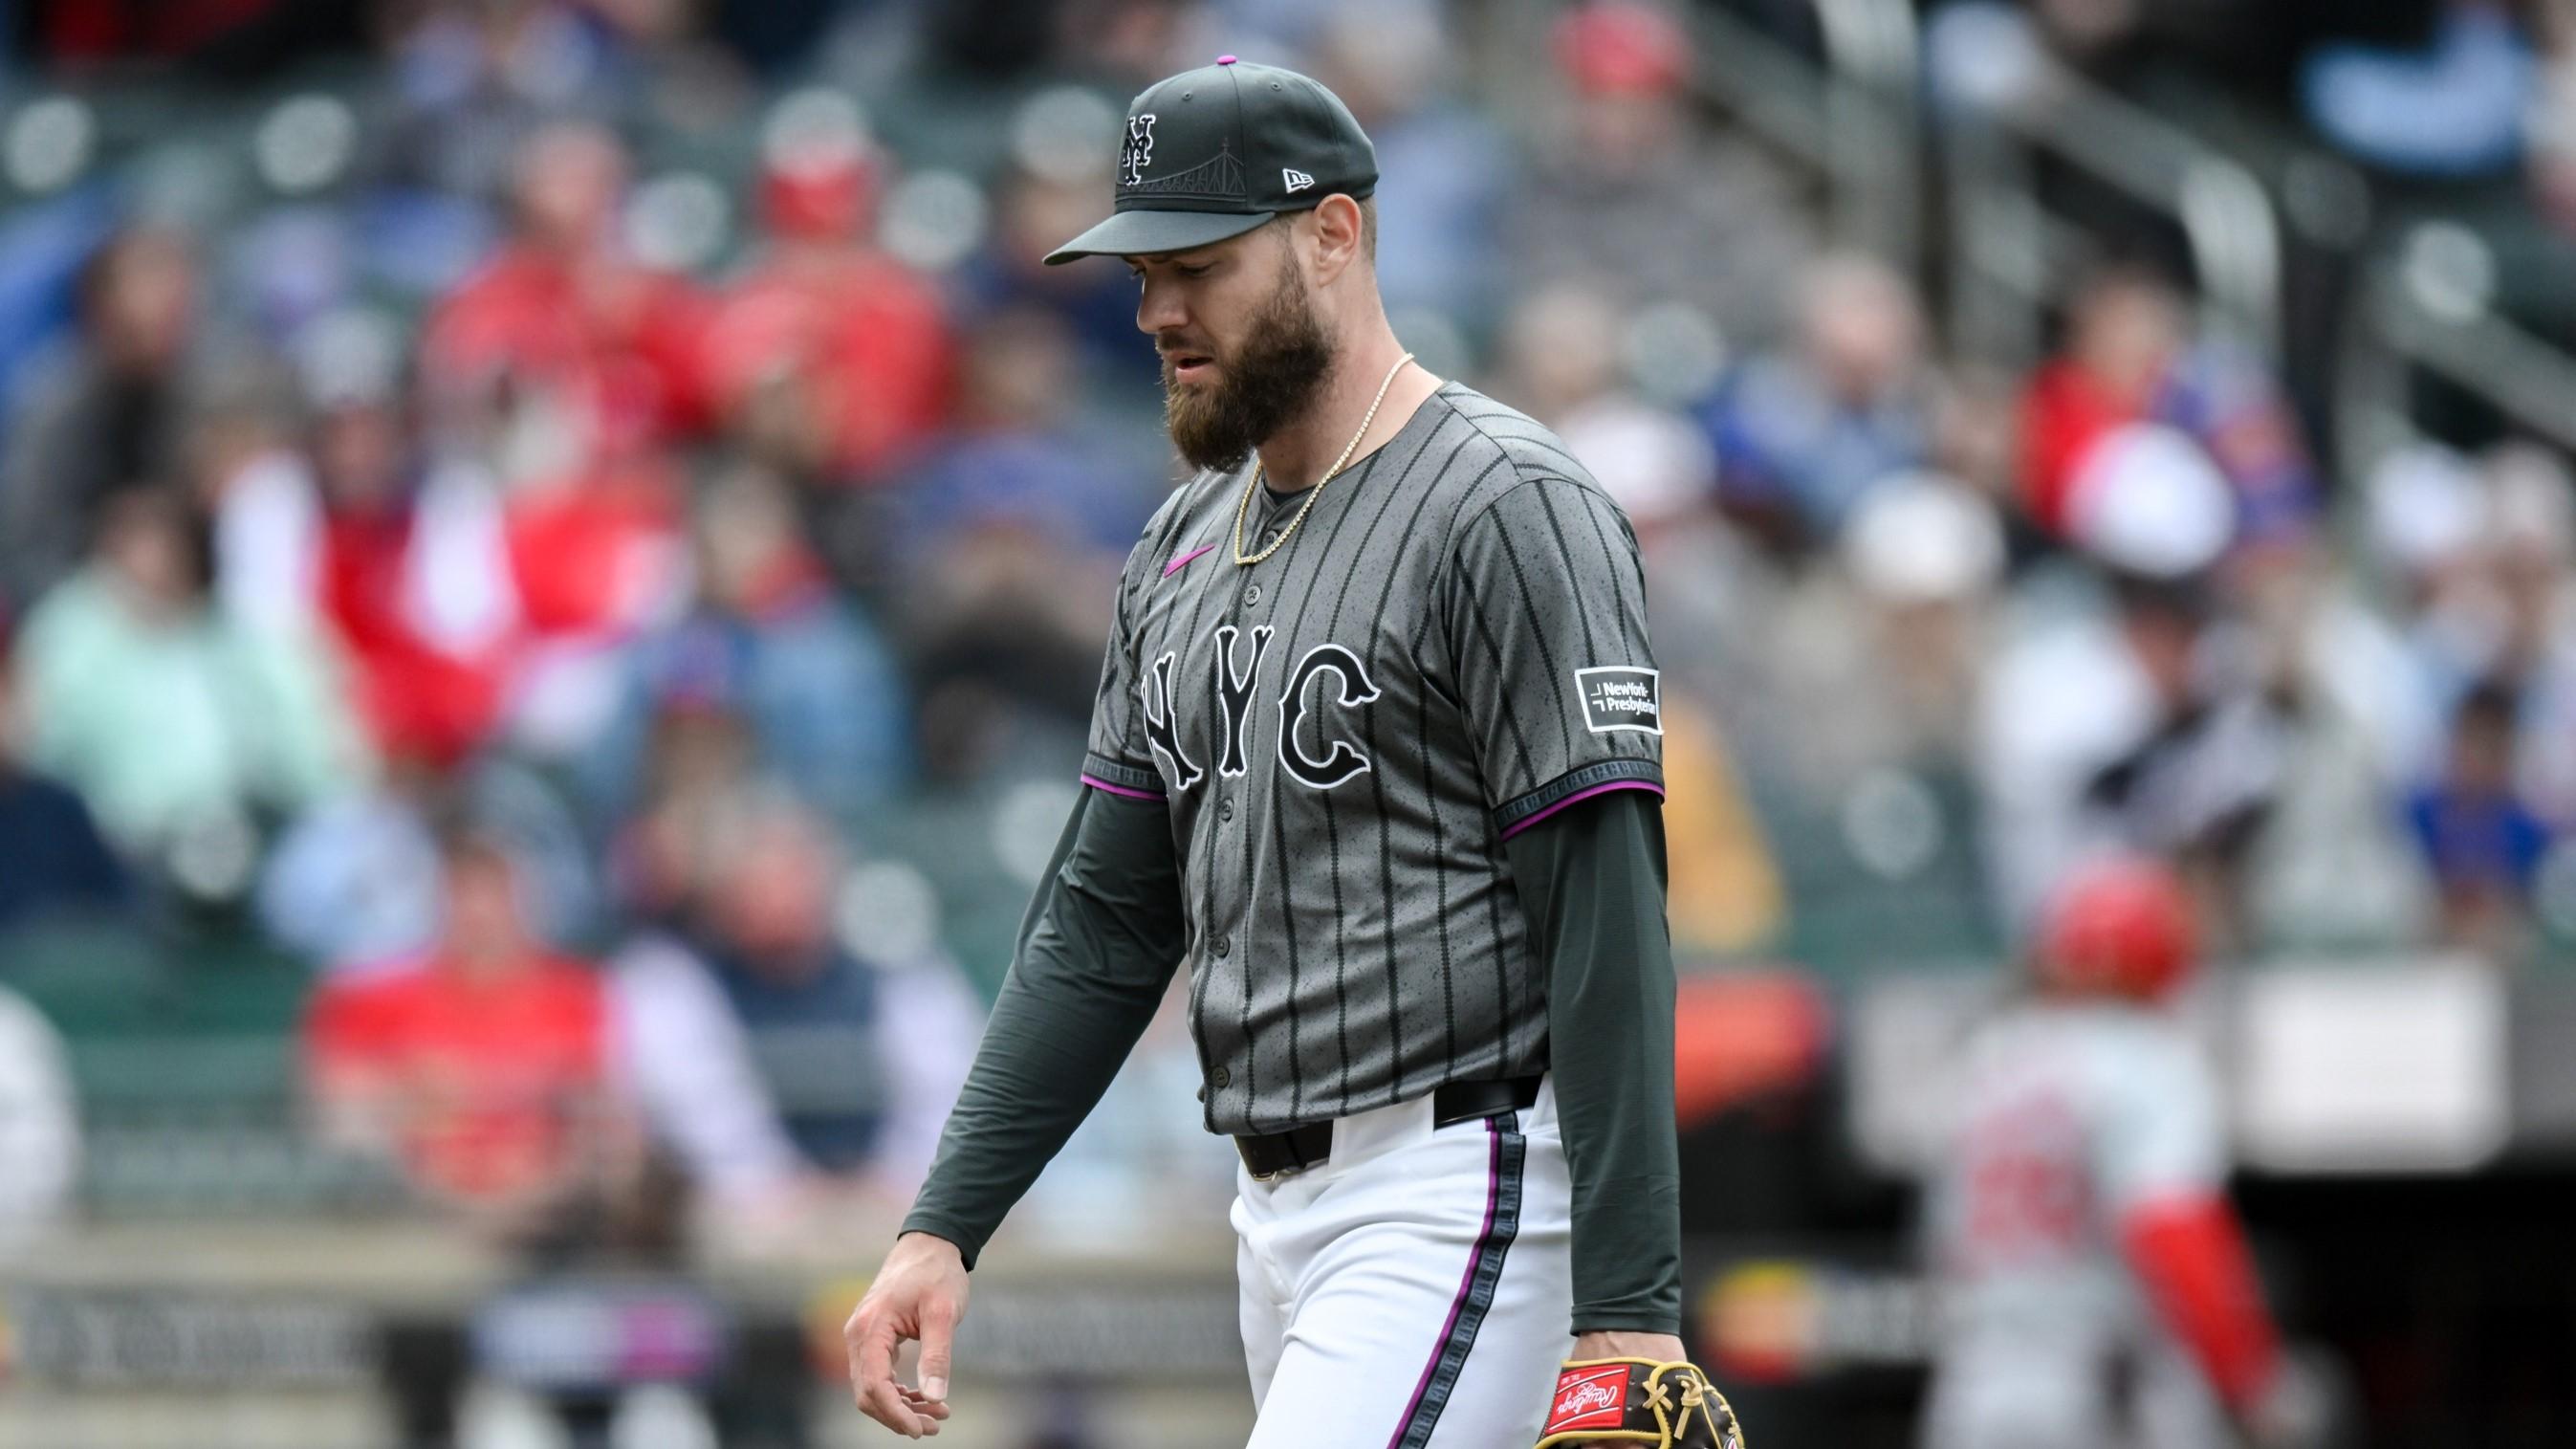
1257, 1175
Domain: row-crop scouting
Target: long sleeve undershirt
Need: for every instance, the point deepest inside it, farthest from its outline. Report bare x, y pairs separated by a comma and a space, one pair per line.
1102, 938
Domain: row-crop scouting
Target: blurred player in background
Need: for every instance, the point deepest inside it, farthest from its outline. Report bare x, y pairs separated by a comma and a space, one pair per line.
2096, 1288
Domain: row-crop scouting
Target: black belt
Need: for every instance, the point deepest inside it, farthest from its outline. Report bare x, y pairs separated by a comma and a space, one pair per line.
1269, 1154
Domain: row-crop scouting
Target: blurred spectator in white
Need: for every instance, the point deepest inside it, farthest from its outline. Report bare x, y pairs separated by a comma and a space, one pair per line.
566, 308
701, 1094
1924, 556
1391, 64
103, 414
831, 356
58, 864
857, 1034
2455, 107
1623, 186
2483, 841
2130, 357
2328, 868
40, 1148
177, 723
484, 1067
1801, 433
2129, 720
769, 641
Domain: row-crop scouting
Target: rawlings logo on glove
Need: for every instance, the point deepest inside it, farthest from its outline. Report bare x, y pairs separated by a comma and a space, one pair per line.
1638, 1401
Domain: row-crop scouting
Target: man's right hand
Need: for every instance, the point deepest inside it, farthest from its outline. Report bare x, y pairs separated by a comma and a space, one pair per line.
920, 1293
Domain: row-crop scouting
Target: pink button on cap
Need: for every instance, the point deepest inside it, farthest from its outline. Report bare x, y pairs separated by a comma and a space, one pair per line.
1225, 60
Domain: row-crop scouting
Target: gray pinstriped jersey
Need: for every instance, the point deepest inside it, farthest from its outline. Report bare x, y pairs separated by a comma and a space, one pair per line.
1452, 645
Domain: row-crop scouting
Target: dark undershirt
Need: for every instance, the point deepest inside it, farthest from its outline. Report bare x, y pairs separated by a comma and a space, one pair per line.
1102, 939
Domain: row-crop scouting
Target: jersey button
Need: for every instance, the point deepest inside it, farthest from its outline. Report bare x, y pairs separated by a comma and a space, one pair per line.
1225, 808
1220, 1079
1222, 945
1252, 593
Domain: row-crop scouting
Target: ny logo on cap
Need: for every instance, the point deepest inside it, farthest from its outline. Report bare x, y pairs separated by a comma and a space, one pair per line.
1295, 179
1138, 150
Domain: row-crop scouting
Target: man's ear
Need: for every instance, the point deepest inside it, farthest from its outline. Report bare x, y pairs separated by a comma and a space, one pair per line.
1336, 228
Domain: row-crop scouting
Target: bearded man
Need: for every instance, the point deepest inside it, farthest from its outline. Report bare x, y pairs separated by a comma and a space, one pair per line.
1376, 757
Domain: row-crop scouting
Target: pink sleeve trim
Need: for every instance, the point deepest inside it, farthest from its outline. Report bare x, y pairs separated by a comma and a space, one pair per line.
1581, 795
1097, 783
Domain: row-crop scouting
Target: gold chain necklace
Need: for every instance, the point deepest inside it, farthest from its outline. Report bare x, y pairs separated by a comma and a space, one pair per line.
1244, 509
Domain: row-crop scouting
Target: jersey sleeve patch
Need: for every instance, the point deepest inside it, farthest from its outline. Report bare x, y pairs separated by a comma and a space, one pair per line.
1573, 786
1620, 697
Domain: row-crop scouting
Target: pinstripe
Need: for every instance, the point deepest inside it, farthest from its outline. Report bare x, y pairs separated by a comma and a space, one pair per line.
1377, 781
1556, 531
1332, 831
1620, 594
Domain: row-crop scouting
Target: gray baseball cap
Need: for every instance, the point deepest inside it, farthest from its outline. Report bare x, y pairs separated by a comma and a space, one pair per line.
1214, 152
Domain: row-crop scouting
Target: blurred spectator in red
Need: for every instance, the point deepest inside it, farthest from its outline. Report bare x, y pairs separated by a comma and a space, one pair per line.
181, 726
1622, 186
231, 39
1801, 434
429, 693
483, 1067
58, 863
565, 309
830, 355
2124, 721
772, 644
104, 413
2130, 357
2482, 840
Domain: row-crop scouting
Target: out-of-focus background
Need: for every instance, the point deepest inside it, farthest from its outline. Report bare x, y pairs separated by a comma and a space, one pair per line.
554, 555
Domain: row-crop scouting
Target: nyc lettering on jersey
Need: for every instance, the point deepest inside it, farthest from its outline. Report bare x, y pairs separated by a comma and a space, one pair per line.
1311, 755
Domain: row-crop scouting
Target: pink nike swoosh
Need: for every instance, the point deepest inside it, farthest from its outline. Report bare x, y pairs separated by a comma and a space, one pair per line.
1176, 565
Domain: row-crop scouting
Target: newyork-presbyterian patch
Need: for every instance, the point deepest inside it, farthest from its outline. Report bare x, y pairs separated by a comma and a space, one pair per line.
1620, 697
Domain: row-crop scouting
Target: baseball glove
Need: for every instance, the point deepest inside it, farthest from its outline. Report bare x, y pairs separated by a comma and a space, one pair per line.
1638, 1401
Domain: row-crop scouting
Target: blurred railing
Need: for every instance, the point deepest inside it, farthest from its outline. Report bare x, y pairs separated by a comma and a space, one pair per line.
2420, 305
1853, 123
2427, 303
2011, 256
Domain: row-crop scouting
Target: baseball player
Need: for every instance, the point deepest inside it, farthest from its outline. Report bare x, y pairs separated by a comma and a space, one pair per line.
2095, 1282
1376, 758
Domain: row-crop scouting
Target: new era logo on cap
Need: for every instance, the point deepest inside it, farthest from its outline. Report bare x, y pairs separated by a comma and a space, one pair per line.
1294, 179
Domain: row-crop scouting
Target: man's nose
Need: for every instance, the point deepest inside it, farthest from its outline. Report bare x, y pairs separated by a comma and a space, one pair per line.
1158, 308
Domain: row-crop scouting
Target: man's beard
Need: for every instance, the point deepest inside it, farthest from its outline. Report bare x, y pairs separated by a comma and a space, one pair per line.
1272, 378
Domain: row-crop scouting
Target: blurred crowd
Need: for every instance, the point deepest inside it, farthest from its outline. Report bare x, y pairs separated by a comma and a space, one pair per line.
586, 526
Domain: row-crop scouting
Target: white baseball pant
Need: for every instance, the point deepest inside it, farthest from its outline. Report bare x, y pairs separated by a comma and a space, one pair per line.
1415, 1290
